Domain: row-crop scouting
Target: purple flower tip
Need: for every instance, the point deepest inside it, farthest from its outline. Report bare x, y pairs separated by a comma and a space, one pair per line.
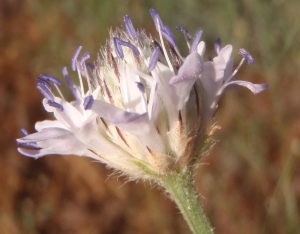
246, 55
88, 102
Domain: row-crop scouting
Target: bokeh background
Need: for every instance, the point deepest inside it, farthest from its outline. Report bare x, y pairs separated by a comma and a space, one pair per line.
250, 182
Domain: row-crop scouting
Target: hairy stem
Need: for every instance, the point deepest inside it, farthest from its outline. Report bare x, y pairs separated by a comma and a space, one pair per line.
179, 185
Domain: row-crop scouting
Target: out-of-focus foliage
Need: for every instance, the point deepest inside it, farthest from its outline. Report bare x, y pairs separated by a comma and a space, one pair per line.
250, 182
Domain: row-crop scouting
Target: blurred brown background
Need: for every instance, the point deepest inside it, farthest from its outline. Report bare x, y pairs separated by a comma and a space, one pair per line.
250, 182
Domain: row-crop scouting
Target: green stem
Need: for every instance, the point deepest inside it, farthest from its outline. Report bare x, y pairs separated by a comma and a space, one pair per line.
181, 189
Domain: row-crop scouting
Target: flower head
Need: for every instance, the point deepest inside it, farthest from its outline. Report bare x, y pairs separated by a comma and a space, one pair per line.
146, 110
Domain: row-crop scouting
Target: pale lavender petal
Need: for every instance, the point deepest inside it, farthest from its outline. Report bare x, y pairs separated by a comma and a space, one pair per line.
188, 73
225, 53
45, 134
254, 88
190, 70
39, 126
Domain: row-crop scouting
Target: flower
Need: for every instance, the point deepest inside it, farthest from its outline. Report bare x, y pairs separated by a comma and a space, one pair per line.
146, 111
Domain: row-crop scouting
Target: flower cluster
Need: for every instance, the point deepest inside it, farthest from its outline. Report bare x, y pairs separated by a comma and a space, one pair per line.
142, 108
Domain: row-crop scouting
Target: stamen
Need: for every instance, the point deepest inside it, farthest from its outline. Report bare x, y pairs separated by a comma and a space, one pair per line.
46, 77
40, 80
246, 55
153, 59
45, 91
55, 104
129, 28
24, 132
164, 48
50, 78
118, 48
85, 57
186, 33
88, 102
72, 85
169, 36
28, 144
74, 59
218, 45
90, 65
156, 18
129, 45
140, 86
196, 40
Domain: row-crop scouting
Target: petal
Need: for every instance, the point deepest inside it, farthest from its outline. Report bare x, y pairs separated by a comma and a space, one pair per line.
254, 88
39, 126
226, 52
47, 133
188, 73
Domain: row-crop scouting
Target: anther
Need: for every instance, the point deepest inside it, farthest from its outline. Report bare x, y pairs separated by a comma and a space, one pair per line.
71, 84
88, 102
196, 40
246, 55
24, 132
74, 59
218, 45
153, 59
45, 91
168, 35
129, 28
118, 48
129, 45
51, 79
55, 104
140, 86
156, 18
186, 33
40, 80
85, 57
